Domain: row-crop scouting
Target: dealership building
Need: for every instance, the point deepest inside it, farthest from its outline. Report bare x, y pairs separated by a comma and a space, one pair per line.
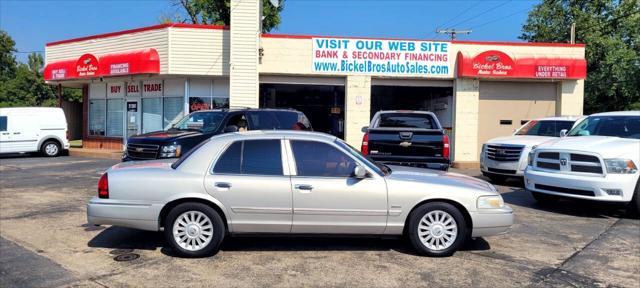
142, 80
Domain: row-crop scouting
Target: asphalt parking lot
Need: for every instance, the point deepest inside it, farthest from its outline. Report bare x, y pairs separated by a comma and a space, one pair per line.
45, 242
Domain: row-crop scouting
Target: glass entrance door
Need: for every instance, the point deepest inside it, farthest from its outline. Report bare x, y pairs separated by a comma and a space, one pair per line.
133, 119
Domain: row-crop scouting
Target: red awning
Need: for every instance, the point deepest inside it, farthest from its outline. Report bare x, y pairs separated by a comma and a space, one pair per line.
144, 61
496, 64
60, 70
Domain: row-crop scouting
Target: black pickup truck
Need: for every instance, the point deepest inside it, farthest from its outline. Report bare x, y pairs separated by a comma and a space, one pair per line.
201, 125
409, 138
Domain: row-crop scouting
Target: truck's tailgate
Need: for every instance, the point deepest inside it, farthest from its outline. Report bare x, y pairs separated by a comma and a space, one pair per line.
417, 142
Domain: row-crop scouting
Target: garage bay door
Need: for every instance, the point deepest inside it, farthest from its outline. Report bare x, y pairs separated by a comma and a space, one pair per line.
505, 106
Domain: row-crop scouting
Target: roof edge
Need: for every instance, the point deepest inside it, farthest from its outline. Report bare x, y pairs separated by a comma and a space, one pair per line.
136, 30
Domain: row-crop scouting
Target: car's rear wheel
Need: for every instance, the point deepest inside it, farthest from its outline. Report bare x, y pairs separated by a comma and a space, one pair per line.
543, 198
50, 148
437, 229
194, 230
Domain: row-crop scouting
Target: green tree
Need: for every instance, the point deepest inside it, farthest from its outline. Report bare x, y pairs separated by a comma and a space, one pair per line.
217, 12
22, 84
611, 30
7, 60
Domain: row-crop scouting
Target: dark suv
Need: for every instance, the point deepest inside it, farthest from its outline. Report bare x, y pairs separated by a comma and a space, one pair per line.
200, 125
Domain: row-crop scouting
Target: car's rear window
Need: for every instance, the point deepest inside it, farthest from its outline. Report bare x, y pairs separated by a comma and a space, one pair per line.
407, 120
186, 155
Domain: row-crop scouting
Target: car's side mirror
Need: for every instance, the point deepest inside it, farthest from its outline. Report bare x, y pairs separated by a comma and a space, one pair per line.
563, 133
231, 128
359, 172
365, 129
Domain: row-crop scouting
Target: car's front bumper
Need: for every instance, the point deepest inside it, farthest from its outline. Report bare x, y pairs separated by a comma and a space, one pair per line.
126, 214
492, 221
505, 168
597, 184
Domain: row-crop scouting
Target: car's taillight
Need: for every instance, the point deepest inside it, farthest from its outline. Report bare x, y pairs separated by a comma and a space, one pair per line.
445, 148
364, 149
67, 134
103, 186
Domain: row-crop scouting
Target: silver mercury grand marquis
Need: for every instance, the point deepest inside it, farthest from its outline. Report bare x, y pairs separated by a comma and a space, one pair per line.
292, 182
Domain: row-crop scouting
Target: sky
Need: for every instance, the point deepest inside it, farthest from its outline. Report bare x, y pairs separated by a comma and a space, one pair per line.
33, 23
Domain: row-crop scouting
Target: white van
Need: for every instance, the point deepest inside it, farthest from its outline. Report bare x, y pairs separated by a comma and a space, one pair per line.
33, 129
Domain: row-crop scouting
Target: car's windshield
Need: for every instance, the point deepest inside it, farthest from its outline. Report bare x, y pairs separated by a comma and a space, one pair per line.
616, 126
544, 127
206, 121
378, 168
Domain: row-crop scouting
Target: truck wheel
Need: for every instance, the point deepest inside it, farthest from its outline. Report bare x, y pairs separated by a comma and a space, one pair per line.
194, 230
544, 198
436, 229
496, 179
50, 148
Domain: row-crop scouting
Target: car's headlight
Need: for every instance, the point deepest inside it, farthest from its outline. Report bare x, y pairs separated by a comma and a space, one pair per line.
530, 158
490, 202
170, 151
620, 166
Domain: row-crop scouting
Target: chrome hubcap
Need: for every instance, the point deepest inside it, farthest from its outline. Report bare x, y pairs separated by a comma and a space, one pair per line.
193, 230
437, 230
51, 149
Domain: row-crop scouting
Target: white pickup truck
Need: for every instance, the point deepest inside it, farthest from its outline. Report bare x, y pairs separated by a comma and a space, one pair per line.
504, 157
597, 160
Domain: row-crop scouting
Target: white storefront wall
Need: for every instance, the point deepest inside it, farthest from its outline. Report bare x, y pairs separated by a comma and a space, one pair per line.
161, 101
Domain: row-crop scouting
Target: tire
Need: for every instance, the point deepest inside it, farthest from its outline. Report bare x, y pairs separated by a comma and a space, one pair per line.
634, 205
496, 179
50, 148
435, 243
181, 220
544, 198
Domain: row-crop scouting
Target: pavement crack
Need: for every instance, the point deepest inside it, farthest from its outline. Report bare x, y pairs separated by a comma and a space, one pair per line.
568, 277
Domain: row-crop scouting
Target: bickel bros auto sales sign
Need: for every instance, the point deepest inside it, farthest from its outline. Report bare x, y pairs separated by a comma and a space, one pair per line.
381, 57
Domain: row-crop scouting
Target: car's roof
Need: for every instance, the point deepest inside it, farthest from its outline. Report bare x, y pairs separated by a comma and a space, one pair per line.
560, 118
618, 113
279, 134
404, 111
234, 109
40, 109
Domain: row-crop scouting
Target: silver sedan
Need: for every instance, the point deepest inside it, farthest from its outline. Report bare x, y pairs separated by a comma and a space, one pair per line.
290, 182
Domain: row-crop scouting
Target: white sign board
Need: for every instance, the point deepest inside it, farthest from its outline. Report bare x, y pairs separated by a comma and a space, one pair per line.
381, 57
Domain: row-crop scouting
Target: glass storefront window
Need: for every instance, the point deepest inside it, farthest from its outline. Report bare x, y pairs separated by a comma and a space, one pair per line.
220, 103
115, 117
151, 114
172, 108
97, 117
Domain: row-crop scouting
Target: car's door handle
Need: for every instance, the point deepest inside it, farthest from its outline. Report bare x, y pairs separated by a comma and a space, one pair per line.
16, 133
6, 133
222, 185
303, 187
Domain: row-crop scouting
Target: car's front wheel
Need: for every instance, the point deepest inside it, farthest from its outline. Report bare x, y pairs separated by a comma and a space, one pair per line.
437, 229
194, 230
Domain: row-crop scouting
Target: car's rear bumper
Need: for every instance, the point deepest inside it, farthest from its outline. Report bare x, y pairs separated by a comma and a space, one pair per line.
492, 222
568, 185
125, 214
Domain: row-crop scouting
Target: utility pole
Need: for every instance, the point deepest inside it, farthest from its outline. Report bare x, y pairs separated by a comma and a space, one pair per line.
453, 32
573, 33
